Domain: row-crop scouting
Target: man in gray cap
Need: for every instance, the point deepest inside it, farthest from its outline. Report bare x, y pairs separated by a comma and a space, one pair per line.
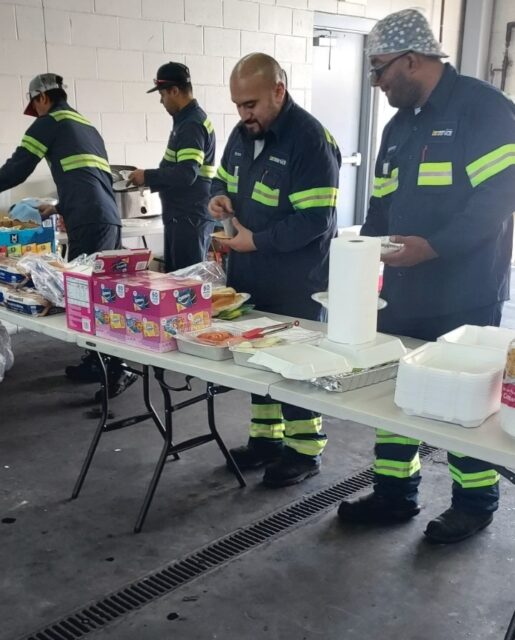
444, 188
77, 158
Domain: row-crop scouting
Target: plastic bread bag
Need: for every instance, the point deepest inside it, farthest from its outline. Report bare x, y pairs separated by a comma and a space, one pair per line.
46, 272
6, 354
207, 272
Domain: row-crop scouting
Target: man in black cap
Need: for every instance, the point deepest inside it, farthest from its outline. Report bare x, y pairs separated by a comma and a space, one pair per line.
77, 158
183, 178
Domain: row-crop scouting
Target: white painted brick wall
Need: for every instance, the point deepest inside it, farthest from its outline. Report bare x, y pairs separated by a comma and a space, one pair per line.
221, 42
109, 51
183, 38
141, 35
204, 12
275, 20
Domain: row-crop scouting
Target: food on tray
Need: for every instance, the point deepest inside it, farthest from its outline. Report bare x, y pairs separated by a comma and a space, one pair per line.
223, 297
218, 338
260, 343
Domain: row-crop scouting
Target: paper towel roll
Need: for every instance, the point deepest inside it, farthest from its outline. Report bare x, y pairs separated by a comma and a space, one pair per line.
353, 278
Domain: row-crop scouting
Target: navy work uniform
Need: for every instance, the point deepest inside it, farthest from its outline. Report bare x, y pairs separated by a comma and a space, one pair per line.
184, 183
77, 158
445, 173
286, 195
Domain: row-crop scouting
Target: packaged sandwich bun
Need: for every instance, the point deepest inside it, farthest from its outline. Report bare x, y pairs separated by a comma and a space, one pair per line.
223, 297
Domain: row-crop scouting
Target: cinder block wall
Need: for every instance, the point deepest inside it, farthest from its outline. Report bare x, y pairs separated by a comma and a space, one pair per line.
109, 50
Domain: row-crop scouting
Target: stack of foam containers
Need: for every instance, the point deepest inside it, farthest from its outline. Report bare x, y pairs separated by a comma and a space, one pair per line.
457, 379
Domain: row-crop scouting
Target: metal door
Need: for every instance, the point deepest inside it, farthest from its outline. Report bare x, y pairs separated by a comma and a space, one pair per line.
338, 59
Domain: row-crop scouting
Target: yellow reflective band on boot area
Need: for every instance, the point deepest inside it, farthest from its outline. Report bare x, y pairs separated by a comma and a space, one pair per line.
229, 179
272, 411
491, 164
190, 154
474, 480
386, 437
34, 146
434, 174
384, 186
263, 194
306, 447
271, 431
300, 427
396, 468
312, 198
83, 160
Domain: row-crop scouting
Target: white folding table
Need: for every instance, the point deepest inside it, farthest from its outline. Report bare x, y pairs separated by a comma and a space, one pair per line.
371, 406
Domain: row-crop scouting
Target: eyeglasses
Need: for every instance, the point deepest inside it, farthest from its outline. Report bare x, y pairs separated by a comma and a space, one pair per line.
375, 73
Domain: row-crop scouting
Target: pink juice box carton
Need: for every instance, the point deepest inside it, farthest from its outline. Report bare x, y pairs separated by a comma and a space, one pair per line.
163, 295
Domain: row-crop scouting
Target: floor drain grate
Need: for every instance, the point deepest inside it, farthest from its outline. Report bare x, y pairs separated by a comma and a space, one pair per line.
116, 605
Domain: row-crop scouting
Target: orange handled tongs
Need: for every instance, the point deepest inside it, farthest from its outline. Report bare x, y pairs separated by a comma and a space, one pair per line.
265, 331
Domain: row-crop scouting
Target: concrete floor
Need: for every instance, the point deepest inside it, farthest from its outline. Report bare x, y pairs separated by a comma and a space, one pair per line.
320, 580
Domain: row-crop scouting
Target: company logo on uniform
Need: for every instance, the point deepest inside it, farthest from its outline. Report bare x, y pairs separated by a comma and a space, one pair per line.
278, 160
238, 154
442, 132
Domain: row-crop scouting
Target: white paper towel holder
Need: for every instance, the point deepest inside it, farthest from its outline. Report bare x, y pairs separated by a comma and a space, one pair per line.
384, 348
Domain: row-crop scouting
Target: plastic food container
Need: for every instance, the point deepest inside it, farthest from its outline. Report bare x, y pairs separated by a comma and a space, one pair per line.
493, 337
451, 382
301, 361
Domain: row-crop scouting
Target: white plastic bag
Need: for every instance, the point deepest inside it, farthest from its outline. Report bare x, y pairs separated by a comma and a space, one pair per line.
6, 354
205, 271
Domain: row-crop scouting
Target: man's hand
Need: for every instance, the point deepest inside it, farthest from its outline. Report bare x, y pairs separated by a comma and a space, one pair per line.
220, 206
137, 177
243, 241
46, 210
414, 251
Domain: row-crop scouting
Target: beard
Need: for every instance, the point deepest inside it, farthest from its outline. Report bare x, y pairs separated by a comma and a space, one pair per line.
404, 94
254, 134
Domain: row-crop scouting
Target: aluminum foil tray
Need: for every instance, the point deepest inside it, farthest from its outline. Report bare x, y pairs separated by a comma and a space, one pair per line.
351, 381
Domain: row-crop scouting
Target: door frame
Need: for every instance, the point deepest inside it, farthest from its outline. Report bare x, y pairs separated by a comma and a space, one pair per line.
362, 26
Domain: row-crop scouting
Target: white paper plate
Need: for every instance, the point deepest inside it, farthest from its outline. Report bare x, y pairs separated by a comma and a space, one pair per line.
322, 297
241, 298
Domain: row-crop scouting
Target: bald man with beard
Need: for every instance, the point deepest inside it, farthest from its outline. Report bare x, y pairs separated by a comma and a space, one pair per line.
278, 181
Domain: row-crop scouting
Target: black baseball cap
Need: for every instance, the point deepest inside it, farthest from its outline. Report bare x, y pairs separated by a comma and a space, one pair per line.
171, 74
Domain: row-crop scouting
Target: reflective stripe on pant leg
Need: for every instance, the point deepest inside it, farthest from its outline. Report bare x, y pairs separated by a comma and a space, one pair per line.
303, 431
397, 466
475, 484
266, 419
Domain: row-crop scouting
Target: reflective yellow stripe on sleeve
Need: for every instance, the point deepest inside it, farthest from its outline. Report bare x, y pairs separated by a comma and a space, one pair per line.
312, 198
207, 171
170, 155
83, 160
491, 164
190, 154
434, 174
208, 125
34, 146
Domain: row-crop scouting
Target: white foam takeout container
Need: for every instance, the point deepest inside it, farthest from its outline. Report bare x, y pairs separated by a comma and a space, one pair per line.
301, 361
455, 383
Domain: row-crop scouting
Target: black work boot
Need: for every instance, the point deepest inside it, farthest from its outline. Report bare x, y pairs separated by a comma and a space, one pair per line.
455, 525
375, 509
88, 370
291, 468
256, 453
118, 380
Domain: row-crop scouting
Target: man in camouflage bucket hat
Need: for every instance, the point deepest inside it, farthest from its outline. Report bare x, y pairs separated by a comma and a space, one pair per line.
444, 188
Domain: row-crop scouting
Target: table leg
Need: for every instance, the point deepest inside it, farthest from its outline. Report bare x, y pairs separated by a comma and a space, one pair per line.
102, 422
212, 390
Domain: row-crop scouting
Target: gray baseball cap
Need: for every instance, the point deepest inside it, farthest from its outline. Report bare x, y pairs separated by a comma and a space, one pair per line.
40, 84
406, 30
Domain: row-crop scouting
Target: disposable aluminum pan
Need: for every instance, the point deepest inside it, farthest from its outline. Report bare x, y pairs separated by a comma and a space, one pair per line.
350, 381
186, 343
